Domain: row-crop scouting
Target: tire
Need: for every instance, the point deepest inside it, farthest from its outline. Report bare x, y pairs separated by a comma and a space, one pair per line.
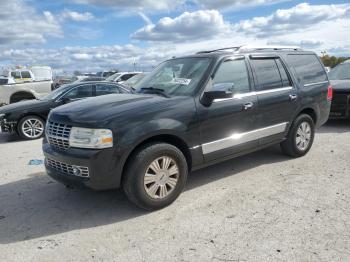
293, 146
31, 127
139, 169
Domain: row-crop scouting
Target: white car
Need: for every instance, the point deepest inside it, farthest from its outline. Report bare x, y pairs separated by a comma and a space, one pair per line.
121, 76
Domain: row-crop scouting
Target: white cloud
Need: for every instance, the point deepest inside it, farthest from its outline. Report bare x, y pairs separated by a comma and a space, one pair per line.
136, 5
188, 26
294, 19
234, 4
75, 16
21, 25
310, 26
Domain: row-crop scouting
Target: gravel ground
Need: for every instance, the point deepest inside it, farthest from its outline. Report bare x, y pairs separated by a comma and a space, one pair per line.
259, 207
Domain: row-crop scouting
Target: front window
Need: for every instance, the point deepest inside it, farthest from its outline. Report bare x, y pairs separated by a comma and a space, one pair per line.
176, 77
340, 72
232, 76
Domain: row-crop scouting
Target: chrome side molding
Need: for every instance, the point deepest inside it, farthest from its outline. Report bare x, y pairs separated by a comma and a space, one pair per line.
241, 138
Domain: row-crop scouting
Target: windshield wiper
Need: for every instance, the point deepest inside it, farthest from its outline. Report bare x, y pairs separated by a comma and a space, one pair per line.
155, 91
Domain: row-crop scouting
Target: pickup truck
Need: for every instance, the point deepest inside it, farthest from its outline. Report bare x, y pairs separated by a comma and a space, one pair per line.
22, 84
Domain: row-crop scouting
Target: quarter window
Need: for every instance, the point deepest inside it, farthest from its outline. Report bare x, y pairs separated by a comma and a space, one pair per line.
267, 73
232, 76
308, 68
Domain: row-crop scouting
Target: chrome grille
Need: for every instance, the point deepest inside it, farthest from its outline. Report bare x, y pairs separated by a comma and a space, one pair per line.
58, 134
80, 171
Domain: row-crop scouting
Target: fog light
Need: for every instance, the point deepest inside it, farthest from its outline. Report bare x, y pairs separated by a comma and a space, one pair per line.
76, 171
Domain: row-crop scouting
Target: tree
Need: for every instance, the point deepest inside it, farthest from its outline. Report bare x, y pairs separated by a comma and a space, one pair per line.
332, 61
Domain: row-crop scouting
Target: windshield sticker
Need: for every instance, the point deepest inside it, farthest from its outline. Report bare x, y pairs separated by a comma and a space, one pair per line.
181, 81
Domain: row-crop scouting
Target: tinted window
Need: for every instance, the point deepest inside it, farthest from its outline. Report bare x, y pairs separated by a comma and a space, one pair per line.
25, 74
105, 89
16, 75
80, 92
232, 76
308, 68
267, 74
283, 74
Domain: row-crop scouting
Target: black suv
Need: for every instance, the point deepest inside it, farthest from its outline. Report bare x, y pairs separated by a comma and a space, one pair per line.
190, 112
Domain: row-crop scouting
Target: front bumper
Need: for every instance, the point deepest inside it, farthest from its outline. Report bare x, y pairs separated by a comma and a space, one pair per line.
340, 105
95, 169
6, 126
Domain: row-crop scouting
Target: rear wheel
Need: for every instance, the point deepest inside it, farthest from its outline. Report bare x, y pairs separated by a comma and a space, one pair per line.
155, 176
31, 127
300, 137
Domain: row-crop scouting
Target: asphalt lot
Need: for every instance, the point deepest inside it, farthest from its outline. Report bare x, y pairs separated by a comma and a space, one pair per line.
259, 207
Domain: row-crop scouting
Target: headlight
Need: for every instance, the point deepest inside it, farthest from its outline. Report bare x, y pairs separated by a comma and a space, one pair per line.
90, 138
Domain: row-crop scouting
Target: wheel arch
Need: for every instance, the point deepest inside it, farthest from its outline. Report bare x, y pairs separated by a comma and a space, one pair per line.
19, 95
161, 138
311, 112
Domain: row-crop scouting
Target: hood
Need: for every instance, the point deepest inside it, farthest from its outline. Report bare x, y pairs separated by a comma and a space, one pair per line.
341, 85
21, 106
102, 109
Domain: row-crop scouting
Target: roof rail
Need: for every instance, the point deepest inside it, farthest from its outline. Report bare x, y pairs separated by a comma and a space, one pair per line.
251, 47
234, 49
269, 47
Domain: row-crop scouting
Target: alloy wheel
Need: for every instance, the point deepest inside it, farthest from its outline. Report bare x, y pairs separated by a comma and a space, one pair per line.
32, 128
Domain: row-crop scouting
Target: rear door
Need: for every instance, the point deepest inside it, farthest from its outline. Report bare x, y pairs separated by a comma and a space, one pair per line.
277, 97
227, 125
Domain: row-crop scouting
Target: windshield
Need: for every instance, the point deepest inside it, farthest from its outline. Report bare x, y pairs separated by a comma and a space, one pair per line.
56, 93
340, 72
113, 77
175, 77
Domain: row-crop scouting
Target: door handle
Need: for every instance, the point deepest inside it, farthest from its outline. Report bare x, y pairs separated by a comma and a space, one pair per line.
293, 97
248, 106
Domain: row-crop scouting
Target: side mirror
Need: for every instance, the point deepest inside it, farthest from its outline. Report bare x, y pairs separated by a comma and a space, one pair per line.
209, 96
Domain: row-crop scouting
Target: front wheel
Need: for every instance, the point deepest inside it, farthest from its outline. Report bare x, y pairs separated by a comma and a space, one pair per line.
300, 137
31, 127
156, 175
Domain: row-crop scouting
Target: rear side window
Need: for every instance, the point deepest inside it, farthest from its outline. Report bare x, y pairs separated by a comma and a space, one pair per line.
232, 76
308, 68
25, 74
105, 89
267, 73
284, 76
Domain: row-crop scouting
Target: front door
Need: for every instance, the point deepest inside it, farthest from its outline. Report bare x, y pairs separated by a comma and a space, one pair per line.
227, 125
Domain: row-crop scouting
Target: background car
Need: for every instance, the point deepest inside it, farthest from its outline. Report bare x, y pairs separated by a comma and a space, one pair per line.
340, 80
133, 81
91, 79
63, 80
28, 118
121, 77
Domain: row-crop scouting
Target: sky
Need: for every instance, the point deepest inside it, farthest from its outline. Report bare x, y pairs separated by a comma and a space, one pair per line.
95, 35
